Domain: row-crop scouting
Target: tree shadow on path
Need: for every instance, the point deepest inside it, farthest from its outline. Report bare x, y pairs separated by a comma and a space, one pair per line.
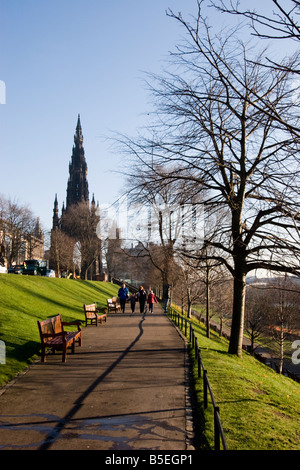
54, 434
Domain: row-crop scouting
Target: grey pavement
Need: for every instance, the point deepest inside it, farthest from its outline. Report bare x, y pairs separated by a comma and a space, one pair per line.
124, 389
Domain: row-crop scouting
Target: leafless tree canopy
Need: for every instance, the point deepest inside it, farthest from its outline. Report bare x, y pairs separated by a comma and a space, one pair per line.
281, 23
17, 227
226, 127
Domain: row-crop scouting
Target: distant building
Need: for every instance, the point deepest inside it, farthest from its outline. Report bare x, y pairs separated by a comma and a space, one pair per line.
16, 246
71, 219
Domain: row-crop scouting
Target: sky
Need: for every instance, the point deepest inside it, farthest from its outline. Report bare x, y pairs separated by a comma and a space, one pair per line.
61, 58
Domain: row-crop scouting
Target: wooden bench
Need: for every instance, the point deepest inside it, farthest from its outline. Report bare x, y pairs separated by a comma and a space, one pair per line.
94, 314
54, 336
113, 305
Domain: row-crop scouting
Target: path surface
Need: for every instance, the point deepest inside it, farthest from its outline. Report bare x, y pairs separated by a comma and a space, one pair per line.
124, 389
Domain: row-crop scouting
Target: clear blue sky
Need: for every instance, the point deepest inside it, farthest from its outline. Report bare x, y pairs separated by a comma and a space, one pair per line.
59, 58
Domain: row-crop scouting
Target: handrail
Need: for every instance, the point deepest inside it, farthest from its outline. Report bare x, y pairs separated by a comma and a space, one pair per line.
218, 429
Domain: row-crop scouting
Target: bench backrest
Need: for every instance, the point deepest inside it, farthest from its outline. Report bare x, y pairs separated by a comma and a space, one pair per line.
50, 325
112, 301
90, 310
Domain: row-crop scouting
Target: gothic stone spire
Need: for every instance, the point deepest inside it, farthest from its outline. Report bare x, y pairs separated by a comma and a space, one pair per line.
55, 214
77, 190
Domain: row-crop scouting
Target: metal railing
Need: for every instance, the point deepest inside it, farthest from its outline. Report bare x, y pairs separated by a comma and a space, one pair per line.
183, 323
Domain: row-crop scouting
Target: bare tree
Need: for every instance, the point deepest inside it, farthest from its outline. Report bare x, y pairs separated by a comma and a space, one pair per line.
282, 312
35, 240
156, 213
61, 251
80, 222
224, 124
278, 22
222, 300
3, 208
257, 309
18, 229
281, 22
189, 290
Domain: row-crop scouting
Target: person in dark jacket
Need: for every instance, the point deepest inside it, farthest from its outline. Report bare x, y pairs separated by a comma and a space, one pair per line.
166, 296
123, 294
132, 302
142, 296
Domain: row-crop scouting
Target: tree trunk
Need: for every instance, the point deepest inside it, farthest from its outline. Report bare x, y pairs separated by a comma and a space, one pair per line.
281, 338
207, 303
281, 349
239, 280
237, 325
252, 343
189, 302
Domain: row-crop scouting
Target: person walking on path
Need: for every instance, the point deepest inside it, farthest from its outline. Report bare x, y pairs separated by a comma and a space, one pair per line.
142, 298
151, 300
132, 302
123, 294
166, 297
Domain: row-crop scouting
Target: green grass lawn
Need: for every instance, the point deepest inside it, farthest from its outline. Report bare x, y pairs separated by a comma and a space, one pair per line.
259, 409
26, 299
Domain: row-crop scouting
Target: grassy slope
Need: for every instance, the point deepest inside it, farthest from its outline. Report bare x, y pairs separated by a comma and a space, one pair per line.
26, 299
259, 409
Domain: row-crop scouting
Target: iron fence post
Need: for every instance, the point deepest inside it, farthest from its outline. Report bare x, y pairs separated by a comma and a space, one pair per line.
216, 426
218, 430
205, 388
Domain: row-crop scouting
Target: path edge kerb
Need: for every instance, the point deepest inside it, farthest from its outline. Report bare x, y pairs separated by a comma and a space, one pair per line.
189, 421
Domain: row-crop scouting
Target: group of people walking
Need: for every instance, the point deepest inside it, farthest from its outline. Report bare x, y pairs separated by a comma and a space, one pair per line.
142, 297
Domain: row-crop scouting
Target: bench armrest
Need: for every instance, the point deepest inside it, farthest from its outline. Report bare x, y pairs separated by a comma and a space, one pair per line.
78, 323
53, 335
102, 310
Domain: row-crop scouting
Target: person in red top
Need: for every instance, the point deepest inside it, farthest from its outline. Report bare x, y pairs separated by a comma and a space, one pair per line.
150, 300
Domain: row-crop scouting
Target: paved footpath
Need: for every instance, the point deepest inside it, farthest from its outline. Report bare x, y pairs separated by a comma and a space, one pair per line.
124, 389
